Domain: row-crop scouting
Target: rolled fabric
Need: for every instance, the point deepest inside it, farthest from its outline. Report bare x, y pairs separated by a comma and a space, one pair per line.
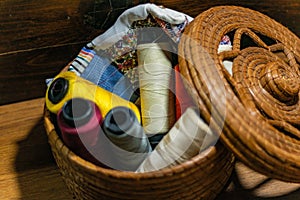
156, 85
128, 145
68, 85
187, 138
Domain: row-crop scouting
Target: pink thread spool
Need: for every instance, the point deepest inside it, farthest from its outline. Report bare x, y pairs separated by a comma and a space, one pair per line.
80, 123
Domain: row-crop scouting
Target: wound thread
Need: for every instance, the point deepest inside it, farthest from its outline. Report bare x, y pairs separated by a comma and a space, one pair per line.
79, 121
81, 88
188, 137
128, 146
155, 77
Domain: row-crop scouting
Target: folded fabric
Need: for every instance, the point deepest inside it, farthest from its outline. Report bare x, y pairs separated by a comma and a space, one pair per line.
225, 45
120, 41
125, 20
82, 60
174, 31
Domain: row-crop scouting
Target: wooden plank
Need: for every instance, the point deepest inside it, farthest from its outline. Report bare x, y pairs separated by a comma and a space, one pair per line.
33, 24
27, 168
23, 74
45, 183
284, 11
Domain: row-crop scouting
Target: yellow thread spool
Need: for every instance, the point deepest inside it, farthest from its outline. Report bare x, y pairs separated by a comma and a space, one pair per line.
79, 87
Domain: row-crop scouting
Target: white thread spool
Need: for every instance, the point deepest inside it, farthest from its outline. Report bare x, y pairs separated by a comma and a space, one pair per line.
187, 138
155, 78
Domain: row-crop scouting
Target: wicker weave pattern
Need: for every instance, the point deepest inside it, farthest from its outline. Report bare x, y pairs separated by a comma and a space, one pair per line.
203, 177
258, 107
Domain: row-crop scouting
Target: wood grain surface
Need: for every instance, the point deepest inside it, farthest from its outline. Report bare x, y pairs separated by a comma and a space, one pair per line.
38, 38
28, 170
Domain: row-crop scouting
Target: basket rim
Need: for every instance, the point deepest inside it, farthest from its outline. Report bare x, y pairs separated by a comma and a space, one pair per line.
93, 168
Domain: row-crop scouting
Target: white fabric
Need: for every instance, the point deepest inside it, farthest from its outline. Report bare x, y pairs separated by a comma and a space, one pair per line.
166, 14
227, 64
125, 20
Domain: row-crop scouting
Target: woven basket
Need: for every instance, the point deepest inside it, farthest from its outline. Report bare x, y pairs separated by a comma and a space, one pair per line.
203, 177
258, 107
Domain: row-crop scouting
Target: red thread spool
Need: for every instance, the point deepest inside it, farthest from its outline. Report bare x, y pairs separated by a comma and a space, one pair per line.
183, 98
80, 123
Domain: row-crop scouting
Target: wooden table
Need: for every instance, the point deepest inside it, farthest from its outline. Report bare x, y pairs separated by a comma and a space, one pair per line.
28, 170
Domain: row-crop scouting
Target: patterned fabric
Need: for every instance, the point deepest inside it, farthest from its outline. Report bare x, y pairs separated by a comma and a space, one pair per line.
174, 31
82, 60
225, 40
148, 22
123, 53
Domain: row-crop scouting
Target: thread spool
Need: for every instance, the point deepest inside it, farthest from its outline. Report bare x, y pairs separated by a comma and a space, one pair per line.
68, 85
79, 121
187, 138
155, 77
184, 100
129, 145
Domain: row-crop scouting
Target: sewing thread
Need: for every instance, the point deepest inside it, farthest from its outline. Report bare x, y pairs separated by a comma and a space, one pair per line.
156, 83
79, 121
68, 85
188, 137
129, 145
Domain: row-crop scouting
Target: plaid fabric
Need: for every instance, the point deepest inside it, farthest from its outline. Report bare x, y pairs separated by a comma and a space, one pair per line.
107, 76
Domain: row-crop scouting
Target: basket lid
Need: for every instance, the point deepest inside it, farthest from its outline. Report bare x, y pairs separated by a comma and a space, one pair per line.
256, 109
